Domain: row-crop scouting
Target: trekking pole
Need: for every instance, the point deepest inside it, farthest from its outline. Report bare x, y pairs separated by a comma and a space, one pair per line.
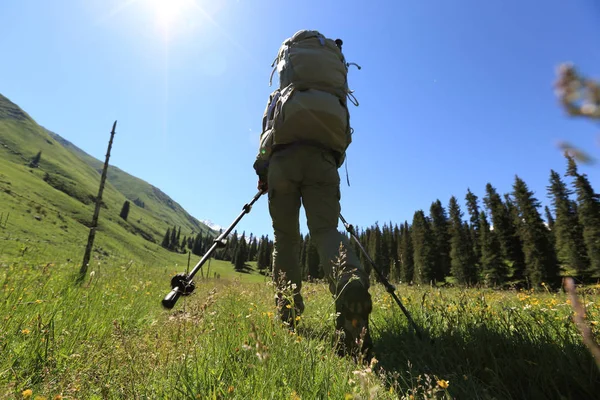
388, 286
182, 284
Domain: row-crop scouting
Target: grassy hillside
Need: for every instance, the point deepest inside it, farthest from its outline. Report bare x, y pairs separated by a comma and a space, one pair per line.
51, 206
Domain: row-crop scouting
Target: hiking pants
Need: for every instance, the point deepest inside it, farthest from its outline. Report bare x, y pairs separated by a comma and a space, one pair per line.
307, 175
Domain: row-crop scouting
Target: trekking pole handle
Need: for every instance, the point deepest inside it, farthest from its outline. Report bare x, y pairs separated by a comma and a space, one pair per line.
171, 298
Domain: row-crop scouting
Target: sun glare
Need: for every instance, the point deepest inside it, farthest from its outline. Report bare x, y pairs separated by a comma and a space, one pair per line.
168, 12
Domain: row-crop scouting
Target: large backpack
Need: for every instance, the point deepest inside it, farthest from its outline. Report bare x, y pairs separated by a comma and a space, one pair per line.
310, 104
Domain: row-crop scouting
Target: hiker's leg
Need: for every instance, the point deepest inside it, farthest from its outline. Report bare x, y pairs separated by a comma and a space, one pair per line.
284, 207
321, 199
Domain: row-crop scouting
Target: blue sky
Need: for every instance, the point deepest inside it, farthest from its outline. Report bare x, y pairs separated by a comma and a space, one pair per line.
453, 94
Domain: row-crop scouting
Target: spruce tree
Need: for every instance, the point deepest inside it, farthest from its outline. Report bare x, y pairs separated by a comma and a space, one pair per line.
406, 254
197, 246
423, 247
384, 250
462, 257
474, 228
241, 253
588, 210
253, 249
540, 256
230, 247
493, 269
35, 161
504, 226
441, 238
302, 260
124, 210
173, 243
395, 268
374, 246
566, 230
166, 239
261, 260
313, 261
549, 218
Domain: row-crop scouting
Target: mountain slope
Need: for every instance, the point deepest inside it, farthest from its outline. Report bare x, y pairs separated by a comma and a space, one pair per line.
138, 191
54, 202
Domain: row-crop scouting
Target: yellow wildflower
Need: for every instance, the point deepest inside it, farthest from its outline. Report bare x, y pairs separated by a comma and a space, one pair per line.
443, 384
27, 393
230, 389
25, 331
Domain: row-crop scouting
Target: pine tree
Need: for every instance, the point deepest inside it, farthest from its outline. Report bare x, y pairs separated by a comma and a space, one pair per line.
313, 261
124, 210
540, 257
588, 210
229, 250
166, 240
184, 244
261, 261
474, 228
253, 249
35, 161
493, 269
197, 247
549, 218
374, 246
406, 254
384, 250
241, 253
566, 230
395, 269
462, 257
173, 243
423, 245
441, 237
504, 226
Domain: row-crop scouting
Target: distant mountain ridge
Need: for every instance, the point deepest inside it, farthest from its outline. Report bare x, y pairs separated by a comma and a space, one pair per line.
71, 171
124, 182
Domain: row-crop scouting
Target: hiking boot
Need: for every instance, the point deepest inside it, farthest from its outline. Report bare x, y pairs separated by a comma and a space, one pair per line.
353, 307
289, 313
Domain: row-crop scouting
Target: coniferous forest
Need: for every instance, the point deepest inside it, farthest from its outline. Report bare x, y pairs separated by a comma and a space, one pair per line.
498, 240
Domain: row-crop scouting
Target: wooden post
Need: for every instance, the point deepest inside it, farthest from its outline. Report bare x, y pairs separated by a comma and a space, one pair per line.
92, 234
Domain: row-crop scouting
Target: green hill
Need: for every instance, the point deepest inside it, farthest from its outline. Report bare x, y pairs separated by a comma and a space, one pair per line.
49, 207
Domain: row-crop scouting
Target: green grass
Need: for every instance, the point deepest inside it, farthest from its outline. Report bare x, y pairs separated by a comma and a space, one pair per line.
110, 338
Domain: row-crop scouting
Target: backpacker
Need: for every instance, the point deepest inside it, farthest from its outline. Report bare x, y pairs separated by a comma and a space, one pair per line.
310, 104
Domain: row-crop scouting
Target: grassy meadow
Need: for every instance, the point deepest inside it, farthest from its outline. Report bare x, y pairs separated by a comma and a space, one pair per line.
110, 338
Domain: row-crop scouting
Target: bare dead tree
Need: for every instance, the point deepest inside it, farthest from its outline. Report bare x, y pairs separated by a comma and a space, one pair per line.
92, 234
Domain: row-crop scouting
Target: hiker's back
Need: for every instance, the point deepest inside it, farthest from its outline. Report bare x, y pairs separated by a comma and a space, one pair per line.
310, 104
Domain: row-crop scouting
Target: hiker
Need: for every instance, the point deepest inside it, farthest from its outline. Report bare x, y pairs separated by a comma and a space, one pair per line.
306, 131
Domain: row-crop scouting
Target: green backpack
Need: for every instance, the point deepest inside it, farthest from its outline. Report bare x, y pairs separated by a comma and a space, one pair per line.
310, 104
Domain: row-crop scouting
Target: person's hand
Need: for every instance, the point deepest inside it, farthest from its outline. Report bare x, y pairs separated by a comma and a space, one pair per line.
262, 185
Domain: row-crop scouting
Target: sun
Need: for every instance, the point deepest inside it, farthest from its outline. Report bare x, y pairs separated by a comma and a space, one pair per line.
169, 12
